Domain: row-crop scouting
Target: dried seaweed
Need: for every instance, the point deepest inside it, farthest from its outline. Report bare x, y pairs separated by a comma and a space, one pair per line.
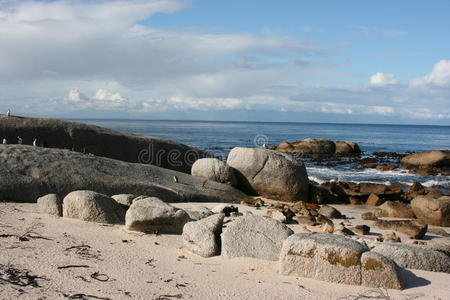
15, 276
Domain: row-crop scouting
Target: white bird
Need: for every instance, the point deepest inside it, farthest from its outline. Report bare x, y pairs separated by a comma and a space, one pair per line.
8, 113
5, 142
264, 146
35, 142
19, 140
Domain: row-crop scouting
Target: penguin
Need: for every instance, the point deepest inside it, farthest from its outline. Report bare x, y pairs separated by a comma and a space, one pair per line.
35, 142
19, 140
175, 178
5, 142
8, 113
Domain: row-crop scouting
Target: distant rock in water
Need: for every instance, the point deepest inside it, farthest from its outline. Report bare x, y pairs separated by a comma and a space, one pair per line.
29, 172
428, 163
101, 142
314, 147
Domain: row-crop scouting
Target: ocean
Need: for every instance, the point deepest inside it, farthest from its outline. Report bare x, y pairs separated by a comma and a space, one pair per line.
220, 137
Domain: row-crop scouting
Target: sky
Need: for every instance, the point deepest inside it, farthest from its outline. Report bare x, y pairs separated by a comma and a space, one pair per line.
298, 61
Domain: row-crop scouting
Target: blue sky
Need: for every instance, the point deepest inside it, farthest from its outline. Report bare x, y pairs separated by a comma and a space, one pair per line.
323, 61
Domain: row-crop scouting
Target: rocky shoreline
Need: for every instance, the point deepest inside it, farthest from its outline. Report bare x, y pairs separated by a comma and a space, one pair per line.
300, 228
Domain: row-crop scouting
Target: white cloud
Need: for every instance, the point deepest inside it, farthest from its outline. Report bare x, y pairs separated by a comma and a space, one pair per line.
439, 77
383, 79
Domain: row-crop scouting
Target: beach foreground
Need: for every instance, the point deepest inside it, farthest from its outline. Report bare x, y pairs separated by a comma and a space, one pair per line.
75, 259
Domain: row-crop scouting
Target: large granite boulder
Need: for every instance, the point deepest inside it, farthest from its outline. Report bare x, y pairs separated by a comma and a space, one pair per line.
214, 169
379, 271
101, 142
124, 199
319, 147
254, 236
433, 158
92, 207
415, 256
151, 215
270, 174
203, 237
432, 211
28, 173
50, 204
323, 256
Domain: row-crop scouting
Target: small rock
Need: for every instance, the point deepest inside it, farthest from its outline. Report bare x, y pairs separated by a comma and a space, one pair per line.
342, 230
199, 213
306, 220
369, 216
50, 204
276, 215
391, 238
374, 200
412, 228
330, 212
203, 237
361, 229
355, 201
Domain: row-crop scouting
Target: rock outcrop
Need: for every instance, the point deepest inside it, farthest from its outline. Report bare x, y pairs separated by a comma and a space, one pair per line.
415, 257
92, 207
270, 174
432, 211
203, 237
323, 147
428, 163
101, 142
28, 173
335, 258
215, 170
254, 236
50, 204
151, 215
394, 209
412, 228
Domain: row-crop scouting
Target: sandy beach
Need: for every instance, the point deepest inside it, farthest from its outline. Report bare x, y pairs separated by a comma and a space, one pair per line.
73, 258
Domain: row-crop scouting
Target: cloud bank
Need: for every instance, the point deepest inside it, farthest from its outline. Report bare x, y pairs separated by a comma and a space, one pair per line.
99, 55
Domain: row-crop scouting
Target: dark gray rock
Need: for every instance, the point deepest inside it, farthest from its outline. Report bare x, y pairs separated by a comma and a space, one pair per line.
151, 215
101, 142
30, 172
254, 236
92, 207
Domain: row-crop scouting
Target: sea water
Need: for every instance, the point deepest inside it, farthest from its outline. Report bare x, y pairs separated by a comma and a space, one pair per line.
221, 137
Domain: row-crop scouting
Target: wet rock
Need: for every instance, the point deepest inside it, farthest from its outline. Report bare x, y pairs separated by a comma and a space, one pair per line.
415, 257
394, 209
330, 212
412, 228
92, 207
215, 170
322, 256
379, 271
374, 200
254, 236
50, 204
432, 211
203, 237
270, 174
151, 215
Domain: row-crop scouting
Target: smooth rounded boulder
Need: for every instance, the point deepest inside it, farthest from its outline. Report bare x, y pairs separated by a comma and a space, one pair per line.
151, 215
433, 158
50, 204
270, 174
432, 211
254, 236
314, 147
215, 170
92, 207
203, 237
379, 271
124, 199
322, 256
394, 209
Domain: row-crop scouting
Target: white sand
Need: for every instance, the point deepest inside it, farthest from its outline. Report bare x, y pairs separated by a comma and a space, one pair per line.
148, 266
